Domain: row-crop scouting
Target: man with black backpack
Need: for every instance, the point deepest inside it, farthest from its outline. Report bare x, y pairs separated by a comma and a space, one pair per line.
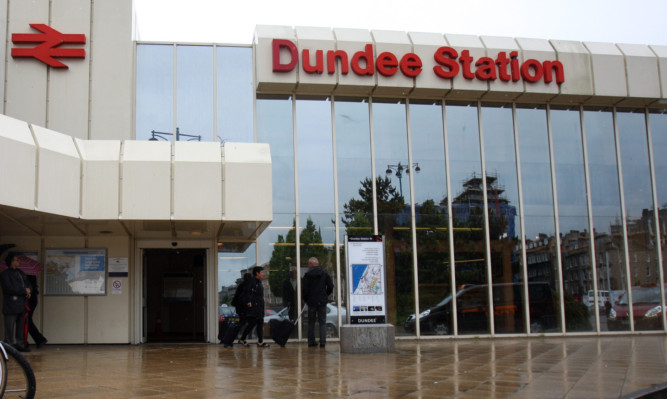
315, 290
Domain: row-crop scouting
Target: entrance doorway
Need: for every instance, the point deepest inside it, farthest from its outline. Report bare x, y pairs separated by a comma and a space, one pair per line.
174, 282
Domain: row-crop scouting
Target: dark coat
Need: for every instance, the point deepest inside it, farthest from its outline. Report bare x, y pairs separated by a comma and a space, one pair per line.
316, 287
14, 282
253, 292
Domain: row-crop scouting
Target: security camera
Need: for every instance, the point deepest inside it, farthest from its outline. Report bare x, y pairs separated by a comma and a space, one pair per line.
174, 244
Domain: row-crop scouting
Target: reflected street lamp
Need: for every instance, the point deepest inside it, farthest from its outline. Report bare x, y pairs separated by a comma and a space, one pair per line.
155, 136
399, 169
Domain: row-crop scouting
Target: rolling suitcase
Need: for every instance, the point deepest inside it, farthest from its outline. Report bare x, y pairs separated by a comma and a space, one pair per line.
282, 329
228, 331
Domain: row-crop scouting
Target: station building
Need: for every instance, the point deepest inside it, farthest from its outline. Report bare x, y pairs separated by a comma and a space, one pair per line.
517, 183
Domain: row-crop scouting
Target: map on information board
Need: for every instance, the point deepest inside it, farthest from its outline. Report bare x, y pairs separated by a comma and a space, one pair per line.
367, 279
75, 272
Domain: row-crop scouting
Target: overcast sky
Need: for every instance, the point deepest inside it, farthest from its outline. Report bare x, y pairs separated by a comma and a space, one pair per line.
222, 21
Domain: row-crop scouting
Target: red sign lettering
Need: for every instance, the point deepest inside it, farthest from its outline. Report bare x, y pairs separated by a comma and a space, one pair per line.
450, 64
47, 51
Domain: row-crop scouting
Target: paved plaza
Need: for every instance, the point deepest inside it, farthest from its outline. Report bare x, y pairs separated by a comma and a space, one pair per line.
553, 367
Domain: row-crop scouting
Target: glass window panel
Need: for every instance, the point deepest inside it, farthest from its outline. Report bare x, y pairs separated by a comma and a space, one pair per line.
353, 152
235, 94
155, 90
605, 199
194, 92
394, 216
539, 219
639, 209
573, 218
659, 143
468, 208
430, 187
274, 126
504, 231
232, 265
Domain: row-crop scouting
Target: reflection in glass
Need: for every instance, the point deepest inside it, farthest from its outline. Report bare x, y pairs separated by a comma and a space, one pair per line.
573, 218
659, 143
235, 94
274, 126
468, 218
430, 188
639, 205
394, 217
155, 90
194, 89
606, 207
232, 266
503, 201
538, 217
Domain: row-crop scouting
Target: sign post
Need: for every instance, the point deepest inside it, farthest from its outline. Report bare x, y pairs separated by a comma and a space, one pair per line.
367, 331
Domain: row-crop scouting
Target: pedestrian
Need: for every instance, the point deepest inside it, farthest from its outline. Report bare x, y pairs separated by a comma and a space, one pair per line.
15, 292
253, 298
289, 293
36, 335
315, 290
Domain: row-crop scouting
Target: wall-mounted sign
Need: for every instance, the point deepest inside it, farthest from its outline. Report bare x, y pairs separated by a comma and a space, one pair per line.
75, 272
47, 45
367, 285
450, 63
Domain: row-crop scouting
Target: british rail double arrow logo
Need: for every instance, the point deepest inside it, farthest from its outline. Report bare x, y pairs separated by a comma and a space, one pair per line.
47, 49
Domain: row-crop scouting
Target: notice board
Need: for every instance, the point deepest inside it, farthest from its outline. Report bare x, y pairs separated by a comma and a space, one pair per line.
367, 282
75, 272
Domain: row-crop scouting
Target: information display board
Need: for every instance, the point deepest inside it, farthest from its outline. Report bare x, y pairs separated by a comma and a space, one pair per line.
75, 272
367, 282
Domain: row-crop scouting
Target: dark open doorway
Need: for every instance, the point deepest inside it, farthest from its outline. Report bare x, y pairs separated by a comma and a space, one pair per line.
174, 287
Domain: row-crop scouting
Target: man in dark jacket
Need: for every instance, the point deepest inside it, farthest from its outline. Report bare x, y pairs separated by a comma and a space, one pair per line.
253, 299
315, 290
15, 292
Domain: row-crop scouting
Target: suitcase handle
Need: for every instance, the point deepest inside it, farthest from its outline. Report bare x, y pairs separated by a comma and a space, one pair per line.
300, 314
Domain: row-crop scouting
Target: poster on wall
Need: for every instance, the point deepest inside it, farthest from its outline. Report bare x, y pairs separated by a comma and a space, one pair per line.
367, 285
75, 272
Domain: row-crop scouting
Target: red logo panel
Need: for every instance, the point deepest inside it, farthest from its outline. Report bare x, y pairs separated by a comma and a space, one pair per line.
47, 48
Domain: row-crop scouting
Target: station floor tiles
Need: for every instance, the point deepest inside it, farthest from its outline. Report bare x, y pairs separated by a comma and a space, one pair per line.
573, 367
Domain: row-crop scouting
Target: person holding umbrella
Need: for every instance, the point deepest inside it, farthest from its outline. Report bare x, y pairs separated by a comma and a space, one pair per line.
15, 291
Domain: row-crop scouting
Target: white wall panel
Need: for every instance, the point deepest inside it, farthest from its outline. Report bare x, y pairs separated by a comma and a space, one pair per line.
267, 80
26, 77
4, 39
64, 319
108, 317
462, 87
642, 70
68, 88
244, 163
499, 89
112, 67
428, 84
315, 39
100, 185
197, 181
353, 41
661, 53
58, 173
539, 49
146, 180
17, 163
608, 72
577, 63
397, 43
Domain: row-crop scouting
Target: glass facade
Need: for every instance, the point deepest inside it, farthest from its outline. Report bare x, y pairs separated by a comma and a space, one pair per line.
535, 219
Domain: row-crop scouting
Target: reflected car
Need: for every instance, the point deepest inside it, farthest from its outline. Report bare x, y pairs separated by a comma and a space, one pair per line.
603, 298
283, 314
332, 319
473, 314
646, 310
